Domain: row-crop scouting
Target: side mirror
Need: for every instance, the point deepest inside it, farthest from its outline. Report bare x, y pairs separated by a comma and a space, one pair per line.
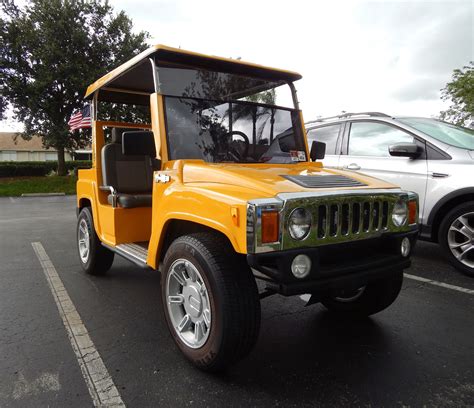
318, 150
138, 143
410, 150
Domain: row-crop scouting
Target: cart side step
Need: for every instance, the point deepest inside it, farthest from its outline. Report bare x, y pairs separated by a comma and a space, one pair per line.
134, 252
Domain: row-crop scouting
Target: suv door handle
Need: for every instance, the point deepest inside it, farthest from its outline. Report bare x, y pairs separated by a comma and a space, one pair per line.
438, 175
352, 166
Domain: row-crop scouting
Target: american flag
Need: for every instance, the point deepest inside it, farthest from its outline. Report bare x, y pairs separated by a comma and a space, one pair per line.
81, 119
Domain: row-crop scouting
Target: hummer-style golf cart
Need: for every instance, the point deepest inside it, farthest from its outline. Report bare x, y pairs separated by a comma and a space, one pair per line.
221, 190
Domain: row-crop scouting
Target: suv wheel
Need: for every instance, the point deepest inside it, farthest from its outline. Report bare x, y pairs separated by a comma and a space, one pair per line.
456, 236
95, 258
210, 301
367, 300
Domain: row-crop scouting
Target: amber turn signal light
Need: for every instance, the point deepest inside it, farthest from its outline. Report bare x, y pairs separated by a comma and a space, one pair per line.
269, 226
412, 212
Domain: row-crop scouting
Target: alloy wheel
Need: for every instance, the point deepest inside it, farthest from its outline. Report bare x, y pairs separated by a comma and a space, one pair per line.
84, 241
461, 239
188, 303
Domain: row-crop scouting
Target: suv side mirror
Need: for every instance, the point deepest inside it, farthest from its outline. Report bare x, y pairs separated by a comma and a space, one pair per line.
318, 150
410, 150
138, 143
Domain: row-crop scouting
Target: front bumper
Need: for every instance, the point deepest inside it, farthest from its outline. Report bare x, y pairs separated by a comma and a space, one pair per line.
333, 267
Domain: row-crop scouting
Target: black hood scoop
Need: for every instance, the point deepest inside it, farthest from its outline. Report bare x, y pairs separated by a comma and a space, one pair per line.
326, 181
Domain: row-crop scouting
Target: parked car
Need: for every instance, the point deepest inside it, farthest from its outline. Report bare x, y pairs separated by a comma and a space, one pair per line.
433, 158
219, 190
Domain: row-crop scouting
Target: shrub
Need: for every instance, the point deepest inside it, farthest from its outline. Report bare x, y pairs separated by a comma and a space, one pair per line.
37, 168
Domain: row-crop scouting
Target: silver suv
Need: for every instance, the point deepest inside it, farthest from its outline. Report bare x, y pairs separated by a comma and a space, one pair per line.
433, 158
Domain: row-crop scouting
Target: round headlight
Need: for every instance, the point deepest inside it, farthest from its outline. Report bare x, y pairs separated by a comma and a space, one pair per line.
400, 213
299, 223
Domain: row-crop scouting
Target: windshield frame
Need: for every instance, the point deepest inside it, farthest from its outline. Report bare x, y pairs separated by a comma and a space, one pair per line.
293, 111
407, 121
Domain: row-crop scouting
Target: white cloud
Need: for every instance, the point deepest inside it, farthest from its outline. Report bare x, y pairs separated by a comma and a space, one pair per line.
353, 55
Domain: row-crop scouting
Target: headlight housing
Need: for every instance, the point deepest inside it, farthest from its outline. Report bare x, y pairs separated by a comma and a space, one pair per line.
400, 213
299, 223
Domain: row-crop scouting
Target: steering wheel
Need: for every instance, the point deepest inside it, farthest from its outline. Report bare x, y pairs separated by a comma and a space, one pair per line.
235, 153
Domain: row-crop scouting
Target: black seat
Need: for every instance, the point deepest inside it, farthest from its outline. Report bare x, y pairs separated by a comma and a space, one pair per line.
131, 176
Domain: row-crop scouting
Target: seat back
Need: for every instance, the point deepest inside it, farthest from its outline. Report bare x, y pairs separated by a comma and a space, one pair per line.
126, 173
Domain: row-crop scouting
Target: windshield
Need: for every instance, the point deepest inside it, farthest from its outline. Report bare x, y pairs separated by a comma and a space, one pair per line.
450, 134
237, 131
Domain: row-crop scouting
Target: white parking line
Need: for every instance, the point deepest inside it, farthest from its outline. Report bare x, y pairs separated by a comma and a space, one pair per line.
101, 387
441, 284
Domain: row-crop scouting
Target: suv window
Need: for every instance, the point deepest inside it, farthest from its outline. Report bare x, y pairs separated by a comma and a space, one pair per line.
374, 139
325, 134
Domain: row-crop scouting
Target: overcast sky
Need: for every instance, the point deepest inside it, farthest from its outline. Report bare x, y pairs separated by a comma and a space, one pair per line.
389, 56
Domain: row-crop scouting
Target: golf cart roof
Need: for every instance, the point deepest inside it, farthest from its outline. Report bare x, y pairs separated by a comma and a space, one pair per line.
132, 82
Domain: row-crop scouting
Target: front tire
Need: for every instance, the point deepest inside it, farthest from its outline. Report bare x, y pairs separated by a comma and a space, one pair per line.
456, 237
95, 258
368, 300
210, 301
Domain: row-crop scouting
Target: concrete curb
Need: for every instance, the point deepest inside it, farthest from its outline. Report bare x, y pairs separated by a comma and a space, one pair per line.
43, 194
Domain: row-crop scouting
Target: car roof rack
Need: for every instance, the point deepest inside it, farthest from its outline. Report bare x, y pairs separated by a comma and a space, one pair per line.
350, 115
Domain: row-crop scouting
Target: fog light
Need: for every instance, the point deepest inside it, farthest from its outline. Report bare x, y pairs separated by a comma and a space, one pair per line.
405, 247
301, 266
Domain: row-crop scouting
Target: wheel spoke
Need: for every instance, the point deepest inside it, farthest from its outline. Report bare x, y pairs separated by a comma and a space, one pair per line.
184, 323
466, 232
177, 275
465, 222
463, 230
191, 273
82, 229
464, 250
176, 299
207, 317
82, 241
198, 332
455, 245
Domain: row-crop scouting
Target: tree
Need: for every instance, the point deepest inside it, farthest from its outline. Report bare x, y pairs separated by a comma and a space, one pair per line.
460, 91
50, 51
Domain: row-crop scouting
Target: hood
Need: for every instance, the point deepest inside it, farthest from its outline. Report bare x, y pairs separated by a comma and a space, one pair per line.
271, 179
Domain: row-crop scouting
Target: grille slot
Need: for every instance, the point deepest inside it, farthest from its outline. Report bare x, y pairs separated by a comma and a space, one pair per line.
324, 181
366, 217
355, 218
345, 219
376, 216
333, 220
384, 214
322, 221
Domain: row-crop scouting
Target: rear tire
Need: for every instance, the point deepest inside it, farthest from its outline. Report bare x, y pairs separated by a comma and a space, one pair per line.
457, 246
94, 257
208, 289
366, 301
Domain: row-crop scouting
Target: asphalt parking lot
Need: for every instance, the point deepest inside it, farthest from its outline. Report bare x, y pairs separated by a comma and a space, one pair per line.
419, 352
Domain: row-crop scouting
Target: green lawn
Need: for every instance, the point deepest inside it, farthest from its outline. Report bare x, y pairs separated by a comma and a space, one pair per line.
16, 186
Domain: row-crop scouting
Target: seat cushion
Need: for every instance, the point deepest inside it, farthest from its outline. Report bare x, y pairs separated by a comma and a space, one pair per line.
132, 200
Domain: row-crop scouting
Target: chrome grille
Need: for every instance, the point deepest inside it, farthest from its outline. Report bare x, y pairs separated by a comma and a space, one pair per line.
337, 217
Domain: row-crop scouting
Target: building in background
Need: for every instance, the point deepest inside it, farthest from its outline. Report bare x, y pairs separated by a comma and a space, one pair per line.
33, 150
